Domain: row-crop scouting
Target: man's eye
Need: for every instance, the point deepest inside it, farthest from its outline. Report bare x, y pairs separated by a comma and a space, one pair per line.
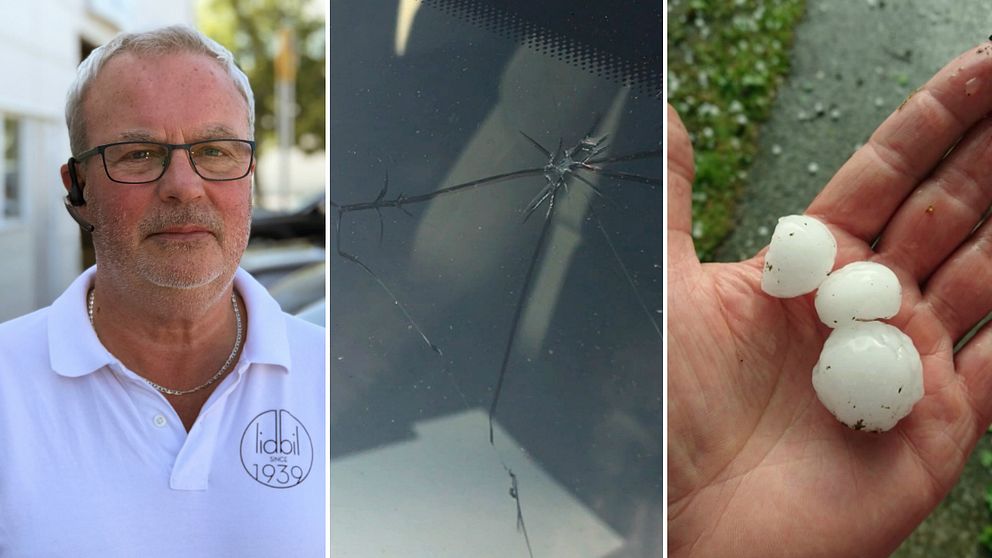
212, 152
137, 155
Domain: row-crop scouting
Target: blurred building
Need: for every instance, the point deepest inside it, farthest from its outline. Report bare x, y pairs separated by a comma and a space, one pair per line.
41, 43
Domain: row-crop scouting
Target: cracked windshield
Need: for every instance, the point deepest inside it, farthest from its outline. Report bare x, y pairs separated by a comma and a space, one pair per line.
496, 278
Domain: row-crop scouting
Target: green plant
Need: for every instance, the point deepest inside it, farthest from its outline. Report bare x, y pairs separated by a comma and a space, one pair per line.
251, 31
985, 458
726, 61
985, 538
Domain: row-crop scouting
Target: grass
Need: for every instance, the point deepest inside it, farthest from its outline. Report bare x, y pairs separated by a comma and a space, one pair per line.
726, 60
985, 537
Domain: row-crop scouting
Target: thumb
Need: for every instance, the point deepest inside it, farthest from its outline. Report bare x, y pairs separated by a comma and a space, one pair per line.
681, 172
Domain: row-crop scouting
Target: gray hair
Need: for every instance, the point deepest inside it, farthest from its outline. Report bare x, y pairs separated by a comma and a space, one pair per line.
167, 40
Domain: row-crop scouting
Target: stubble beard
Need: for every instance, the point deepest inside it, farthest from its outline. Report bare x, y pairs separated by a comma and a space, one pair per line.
171, 265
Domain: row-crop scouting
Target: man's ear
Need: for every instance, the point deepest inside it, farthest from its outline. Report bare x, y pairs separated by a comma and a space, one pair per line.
73, 185
67, 175
66, 181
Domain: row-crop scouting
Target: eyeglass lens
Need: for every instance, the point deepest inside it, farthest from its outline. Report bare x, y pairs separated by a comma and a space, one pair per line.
145, 162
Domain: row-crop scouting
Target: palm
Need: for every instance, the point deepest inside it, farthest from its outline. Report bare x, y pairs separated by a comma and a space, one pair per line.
756, 464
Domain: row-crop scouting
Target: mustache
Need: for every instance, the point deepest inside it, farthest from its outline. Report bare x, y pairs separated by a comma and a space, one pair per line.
199, 216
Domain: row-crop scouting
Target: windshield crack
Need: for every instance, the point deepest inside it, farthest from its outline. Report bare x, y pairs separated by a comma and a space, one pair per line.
577, 161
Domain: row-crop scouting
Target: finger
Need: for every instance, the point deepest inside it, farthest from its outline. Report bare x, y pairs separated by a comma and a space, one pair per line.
940, 215
974, 365
959, 292
867, 190
681, 171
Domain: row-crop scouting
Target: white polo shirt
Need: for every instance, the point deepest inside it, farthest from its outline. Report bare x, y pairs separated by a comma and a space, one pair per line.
95, 462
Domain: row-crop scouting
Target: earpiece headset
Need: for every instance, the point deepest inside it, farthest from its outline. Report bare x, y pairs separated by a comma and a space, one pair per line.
75, 197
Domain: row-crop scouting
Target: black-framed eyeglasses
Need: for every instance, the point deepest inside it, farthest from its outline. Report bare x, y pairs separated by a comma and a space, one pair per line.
140, 162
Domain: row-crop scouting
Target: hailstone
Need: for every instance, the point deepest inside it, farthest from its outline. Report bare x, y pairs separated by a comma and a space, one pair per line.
858, 291
869, 375
800, 256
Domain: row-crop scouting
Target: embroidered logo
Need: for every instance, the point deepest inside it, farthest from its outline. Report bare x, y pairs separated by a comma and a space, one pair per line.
276, 449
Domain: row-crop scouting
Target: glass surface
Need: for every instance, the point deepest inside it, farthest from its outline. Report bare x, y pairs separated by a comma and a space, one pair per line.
11, 167
454, 126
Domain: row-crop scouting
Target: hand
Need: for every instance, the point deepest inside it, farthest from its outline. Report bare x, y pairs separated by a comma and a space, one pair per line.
757, 466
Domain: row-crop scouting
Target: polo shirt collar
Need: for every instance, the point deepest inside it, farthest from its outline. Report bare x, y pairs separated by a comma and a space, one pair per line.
73, 346
268, 339
75, 350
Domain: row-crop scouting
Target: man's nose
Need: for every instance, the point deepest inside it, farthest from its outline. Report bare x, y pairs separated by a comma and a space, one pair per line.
180, 182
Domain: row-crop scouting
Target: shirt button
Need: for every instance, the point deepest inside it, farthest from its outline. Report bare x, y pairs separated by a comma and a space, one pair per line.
159, 421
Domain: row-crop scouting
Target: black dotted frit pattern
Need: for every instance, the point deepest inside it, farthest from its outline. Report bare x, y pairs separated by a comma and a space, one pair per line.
639, 66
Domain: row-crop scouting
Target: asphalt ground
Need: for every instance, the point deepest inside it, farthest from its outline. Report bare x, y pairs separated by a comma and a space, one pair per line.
853, 63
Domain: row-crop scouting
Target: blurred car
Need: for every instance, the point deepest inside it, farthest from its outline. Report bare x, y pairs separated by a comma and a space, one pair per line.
315, 312
301, 287
309, 222
271, 262
286, 254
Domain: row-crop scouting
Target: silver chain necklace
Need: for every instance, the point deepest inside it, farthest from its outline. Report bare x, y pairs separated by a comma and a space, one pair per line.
215, 377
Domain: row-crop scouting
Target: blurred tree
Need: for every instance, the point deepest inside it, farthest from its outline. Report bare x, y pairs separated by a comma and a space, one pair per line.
250, 29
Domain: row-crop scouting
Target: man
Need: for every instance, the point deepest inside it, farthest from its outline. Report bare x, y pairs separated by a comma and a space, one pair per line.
756, 465
163, 405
